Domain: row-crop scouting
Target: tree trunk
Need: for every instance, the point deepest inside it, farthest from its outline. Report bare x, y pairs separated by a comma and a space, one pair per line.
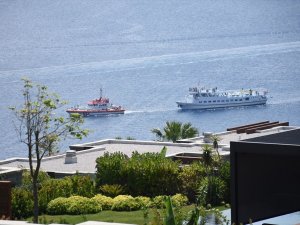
35, 200
35, 179
217, 150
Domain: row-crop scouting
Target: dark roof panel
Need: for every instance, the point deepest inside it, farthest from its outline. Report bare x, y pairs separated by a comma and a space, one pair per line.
291, 137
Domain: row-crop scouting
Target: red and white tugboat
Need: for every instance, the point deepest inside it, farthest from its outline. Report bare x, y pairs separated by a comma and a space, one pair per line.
98, 107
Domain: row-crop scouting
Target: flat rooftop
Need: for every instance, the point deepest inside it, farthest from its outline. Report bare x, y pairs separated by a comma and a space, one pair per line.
289, 137
228, 136
87, 153
86, 158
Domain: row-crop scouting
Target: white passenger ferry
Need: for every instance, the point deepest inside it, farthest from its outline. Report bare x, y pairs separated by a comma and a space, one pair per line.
210, 98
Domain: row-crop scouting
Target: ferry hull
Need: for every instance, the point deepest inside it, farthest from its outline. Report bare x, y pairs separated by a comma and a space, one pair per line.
186, 105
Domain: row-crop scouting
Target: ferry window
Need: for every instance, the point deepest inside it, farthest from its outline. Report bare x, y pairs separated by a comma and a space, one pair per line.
235, 100
227, 100
222, 101
231, 100
218, 101
200, 101
241, 99
247, 99
204, 101
209, 101
214, 101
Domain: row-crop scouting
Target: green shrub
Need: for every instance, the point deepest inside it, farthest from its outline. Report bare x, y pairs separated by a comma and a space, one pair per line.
159, 201
179, 200
65, 187
52, 189
147, 174
111, 190
224, 174
27, 180
58, 206
130, 138
109, 168
151, 174
125, 203
74, 205
144, 201
211, 191
104, 201
82, 205
189, 180
22, 203
82, 185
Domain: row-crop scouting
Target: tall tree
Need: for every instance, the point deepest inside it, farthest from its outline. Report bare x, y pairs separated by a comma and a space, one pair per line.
174, 131
40, 129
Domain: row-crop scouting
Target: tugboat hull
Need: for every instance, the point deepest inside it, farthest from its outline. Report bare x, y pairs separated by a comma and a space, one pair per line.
97, 107
87, 113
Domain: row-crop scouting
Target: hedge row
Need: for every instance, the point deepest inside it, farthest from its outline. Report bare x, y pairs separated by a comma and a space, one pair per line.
65, 187
73, 205
49, 189
148, 174
152, 174
81, 205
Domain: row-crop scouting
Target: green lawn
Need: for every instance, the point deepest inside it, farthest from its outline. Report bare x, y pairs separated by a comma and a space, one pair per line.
134, 217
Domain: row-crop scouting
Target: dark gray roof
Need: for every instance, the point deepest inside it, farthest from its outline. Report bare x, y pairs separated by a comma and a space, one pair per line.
291, 137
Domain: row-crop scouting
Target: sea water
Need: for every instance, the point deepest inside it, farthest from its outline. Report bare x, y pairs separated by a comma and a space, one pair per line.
145, 55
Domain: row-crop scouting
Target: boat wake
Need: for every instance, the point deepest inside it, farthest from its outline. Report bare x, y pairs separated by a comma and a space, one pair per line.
148, 111
132, 112
284, 101
167, 60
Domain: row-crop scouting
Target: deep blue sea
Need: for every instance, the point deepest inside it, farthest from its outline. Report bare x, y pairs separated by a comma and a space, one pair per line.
145, 55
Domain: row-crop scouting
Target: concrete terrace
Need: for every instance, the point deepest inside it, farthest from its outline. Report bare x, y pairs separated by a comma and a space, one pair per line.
86, 158
87, 153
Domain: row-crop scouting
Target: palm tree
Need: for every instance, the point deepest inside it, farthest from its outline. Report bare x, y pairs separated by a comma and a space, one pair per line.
207, 157
174, 131
158, 134
188, 131
215, 139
